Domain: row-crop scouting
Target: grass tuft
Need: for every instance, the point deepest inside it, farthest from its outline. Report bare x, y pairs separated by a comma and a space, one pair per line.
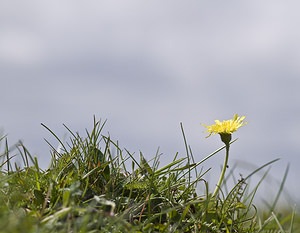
88, 187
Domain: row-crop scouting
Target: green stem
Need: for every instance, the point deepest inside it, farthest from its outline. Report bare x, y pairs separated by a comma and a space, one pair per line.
223, 172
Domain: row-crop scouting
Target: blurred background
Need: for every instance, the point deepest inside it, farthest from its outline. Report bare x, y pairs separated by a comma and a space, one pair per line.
147, 66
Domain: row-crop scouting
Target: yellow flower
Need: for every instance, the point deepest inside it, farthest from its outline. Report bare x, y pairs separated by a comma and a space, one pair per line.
225, 127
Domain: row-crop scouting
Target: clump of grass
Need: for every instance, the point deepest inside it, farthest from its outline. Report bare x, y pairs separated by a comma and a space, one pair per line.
89, 187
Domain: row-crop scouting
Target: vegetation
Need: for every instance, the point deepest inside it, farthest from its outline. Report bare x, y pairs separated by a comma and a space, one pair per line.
92, 185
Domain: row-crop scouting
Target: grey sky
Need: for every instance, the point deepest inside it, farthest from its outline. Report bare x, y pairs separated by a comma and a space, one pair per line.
146, 67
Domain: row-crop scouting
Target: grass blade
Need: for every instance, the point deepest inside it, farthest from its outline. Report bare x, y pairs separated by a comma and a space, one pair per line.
55, 136
280, 188
278, 223
258, 169
292, 220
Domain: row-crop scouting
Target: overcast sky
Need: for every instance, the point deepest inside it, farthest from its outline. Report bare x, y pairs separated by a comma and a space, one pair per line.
146, 66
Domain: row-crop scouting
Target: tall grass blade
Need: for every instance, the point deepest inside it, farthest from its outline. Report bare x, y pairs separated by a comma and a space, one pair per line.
252, 194
278, 223
258, 169
280, 188
2, 137
187, 151
166, 168
292, 219
7, 156
215, 152
65, 149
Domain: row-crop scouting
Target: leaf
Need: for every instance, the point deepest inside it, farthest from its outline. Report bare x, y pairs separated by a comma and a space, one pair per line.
106, 173
96, 155
144, 165
66, 198
164, 169
39, 197
59, 214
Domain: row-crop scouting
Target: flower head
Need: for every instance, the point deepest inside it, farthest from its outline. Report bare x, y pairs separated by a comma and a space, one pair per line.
225, 127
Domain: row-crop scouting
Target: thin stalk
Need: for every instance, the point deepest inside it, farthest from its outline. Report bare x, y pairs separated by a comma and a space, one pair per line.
223, 172
7, 155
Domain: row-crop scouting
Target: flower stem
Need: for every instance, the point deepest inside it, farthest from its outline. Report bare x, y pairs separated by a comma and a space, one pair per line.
223, 172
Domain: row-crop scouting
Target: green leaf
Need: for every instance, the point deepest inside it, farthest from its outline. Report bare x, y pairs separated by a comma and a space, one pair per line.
144, 165
39, 197
66, 198
106, 173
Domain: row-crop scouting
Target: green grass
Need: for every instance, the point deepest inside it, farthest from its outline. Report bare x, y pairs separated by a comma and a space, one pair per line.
92, 185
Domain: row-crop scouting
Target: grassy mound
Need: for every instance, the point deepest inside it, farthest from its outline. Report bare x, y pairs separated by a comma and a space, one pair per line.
88, 187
